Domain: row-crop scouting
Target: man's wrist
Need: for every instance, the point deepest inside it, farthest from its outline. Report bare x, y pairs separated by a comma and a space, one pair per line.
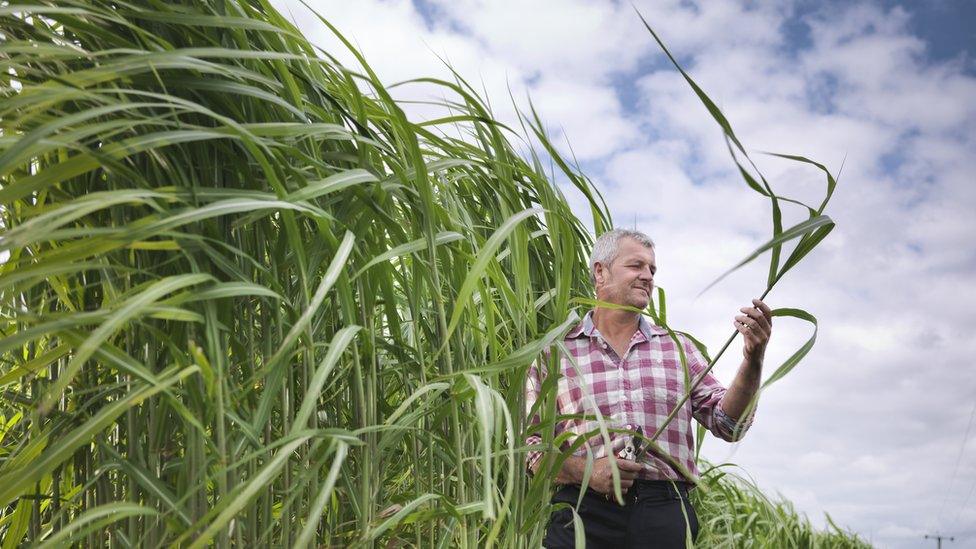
572, 471
753, 363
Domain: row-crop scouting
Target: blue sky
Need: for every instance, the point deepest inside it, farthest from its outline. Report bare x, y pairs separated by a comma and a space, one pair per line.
870, 427
946, 26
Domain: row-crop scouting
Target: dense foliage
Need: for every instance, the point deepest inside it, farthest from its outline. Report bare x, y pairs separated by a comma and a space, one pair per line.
247, 301
736, 514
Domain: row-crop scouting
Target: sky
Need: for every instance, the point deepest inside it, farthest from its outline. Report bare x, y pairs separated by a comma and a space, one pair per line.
872, 426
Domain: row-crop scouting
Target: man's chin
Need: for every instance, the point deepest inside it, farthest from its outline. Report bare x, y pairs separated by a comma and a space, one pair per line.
640, 300
639, 303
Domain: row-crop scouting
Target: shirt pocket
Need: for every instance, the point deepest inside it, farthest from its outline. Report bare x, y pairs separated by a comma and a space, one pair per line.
599, 388
662, 393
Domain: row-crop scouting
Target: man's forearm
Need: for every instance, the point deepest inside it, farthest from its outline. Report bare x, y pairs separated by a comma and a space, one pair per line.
755, 325
571, 471
743, 389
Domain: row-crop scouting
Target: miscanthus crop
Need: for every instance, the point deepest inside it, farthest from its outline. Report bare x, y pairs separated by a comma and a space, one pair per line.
244, 300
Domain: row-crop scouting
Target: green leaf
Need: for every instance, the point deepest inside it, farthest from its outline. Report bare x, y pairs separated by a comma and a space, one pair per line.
128, 310
18, 476
799, 230
94, 519
410, 247
485, 255
230, 507
797, 356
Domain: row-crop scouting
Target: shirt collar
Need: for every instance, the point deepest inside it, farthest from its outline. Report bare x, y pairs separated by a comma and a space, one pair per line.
588, 329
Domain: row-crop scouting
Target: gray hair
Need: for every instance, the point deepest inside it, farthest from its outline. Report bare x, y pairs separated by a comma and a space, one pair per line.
605, 247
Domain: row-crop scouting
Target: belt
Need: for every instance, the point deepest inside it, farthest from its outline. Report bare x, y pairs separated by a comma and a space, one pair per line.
677, 489
641, 489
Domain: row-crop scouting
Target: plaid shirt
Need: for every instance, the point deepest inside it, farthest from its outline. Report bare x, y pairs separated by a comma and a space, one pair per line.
639, 389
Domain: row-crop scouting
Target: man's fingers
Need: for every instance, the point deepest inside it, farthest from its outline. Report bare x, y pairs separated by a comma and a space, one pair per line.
629, 466
766, 311
758, 317
750, 324
627, 475
758, 326
742, 328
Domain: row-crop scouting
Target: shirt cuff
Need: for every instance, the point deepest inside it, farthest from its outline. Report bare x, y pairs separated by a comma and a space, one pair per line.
731, 426
534, 456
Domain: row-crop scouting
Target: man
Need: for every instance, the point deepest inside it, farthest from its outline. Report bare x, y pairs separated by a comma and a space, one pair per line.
630, 372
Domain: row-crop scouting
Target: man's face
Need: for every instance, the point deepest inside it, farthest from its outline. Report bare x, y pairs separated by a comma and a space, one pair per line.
629, 279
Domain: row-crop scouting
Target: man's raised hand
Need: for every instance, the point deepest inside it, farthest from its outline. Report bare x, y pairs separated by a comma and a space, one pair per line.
756, 326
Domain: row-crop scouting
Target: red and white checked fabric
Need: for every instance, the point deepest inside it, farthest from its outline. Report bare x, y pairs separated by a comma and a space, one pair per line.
639, 389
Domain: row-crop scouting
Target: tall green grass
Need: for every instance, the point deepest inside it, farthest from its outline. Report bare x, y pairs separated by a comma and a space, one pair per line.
249, 302
736, 514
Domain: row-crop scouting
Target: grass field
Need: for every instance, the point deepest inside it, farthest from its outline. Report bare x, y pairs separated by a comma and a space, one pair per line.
246, 301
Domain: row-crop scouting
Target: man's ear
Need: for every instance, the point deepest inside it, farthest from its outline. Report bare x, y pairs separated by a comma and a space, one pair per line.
599, 273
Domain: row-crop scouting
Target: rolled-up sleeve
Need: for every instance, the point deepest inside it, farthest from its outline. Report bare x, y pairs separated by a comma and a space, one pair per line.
706, 401
533, 386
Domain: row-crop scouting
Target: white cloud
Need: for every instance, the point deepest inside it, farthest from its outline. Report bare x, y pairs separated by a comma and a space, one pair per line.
582, 40
589, 114
883, 74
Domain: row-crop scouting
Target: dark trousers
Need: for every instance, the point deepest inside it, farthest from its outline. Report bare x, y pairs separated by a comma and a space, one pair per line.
652, 518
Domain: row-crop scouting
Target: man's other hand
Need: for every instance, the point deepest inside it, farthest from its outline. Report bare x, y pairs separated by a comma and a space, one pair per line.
756, 326
601, 478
